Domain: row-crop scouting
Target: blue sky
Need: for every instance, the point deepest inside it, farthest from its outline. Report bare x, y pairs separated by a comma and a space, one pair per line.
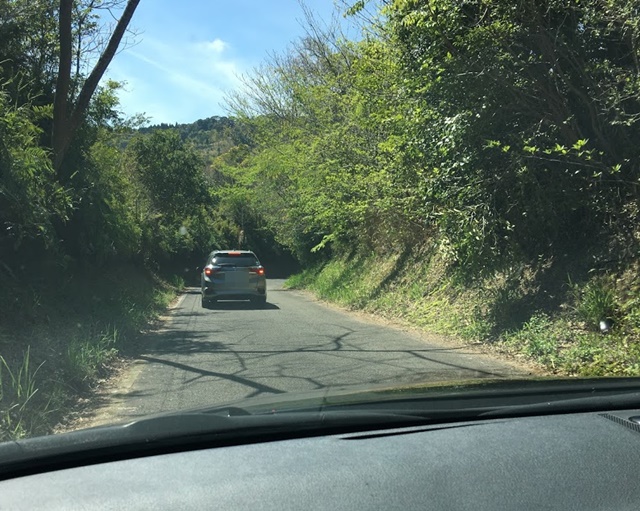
189, 52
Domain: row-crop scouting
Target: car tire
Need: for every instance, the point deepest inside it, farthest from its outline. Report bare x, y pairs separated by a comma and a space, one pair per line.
205, 302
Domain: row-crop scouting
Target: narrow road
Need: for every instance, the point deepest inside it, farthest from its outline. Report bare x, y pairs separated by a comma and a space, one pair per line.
235, 350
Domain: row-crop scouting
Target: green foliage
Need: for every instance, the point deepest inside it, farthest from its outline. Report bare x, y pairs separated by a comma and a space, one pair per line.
18, 386
212, 136
30, 199
73, 331
174, 205
513, 142
595, 301
86, 358
27, 63
111, 230
170, 171
487, 127
560, 347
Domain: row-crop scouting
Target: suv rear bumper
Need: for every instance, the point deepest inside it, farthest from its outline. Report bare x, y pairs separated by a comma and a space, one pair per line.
212, 293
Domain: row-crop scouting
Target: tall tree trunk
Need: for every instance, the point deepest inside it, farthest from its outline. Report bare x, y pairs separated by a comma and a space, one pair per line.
63, 80
65, 124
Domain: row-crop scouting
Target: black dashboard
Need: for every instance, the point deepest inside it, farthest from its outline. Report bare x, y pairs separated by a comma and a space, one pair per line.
581, 461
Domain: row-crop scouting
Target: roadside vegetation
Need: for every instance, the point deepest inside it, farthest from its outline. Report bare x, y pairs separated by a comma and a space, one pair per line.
470, 167
97, 223
562, 335
58, 341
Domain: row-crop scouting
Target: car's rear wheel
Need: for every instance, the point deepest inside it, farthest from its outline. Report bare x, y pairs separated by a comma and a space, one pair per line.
207, 302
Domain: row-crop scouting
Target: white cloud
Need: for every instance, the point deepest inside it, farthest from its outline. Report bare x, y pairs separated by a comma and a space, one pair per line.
189, 79
217, 45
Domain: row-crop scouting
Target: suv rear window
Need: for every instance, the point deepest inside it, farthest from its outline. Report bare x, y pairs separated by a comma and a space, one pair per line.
237, 260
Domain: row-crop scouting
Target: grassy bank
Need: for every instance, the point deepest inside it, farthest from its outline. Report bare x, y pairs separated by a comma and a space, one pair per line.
533, 313
60, 334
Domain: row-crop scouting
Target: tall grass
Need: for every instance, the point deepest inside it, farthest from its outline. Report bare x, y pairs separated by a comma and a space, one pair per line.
395, 286
85, 358
18, 387
594, 301
73, 331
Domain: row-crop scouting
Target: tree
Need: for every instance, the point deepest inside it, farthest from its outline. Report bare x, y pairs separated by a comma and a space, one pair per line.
176, 209
28, 50
520, 122
67, 114
30, 198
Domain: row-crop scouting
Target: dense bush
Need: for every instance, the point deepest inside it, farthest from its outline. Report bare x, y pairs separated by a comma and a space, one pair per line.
503, 134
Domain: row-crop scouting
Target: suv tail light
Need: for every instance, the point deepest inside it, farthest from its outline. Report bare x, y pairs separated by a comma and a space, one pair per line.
210, 271
258, 270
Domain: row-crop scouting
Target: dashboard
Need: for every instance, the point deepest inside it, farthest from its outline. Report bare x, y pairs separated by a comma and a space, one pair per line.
580, 461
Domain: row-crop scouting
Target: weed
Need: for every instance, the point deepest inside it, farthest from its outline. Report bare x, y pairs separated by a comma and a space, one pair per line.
476, 327
78, 326
304, 278
85, 357
538, 339
18, 386
594, 302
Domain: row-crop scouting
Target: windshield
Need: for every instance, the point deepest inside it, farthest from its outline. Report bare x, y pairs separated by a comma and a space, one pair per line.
424, 193
239, 260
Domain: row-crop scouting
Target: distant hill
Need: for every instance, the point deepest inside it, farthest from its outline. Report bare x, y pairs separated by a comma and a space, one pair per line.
213, 135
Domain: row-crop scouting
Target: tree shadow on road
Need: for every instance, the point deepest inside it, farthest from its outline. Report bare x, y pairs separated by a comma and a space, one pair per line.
258, 387
172, 344
177, 342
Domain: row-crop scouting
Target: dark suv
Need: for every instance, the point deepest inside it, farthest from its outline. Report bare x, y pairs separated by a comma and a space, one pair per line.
233, 275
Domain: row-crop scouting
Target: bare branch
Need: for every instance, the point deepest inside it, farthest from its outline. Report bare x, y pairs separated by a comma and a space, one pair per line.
65, 131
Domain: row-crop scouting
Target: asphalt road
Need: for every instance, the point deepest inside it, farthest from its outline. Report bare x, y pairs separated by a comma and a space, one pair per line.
235, 350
